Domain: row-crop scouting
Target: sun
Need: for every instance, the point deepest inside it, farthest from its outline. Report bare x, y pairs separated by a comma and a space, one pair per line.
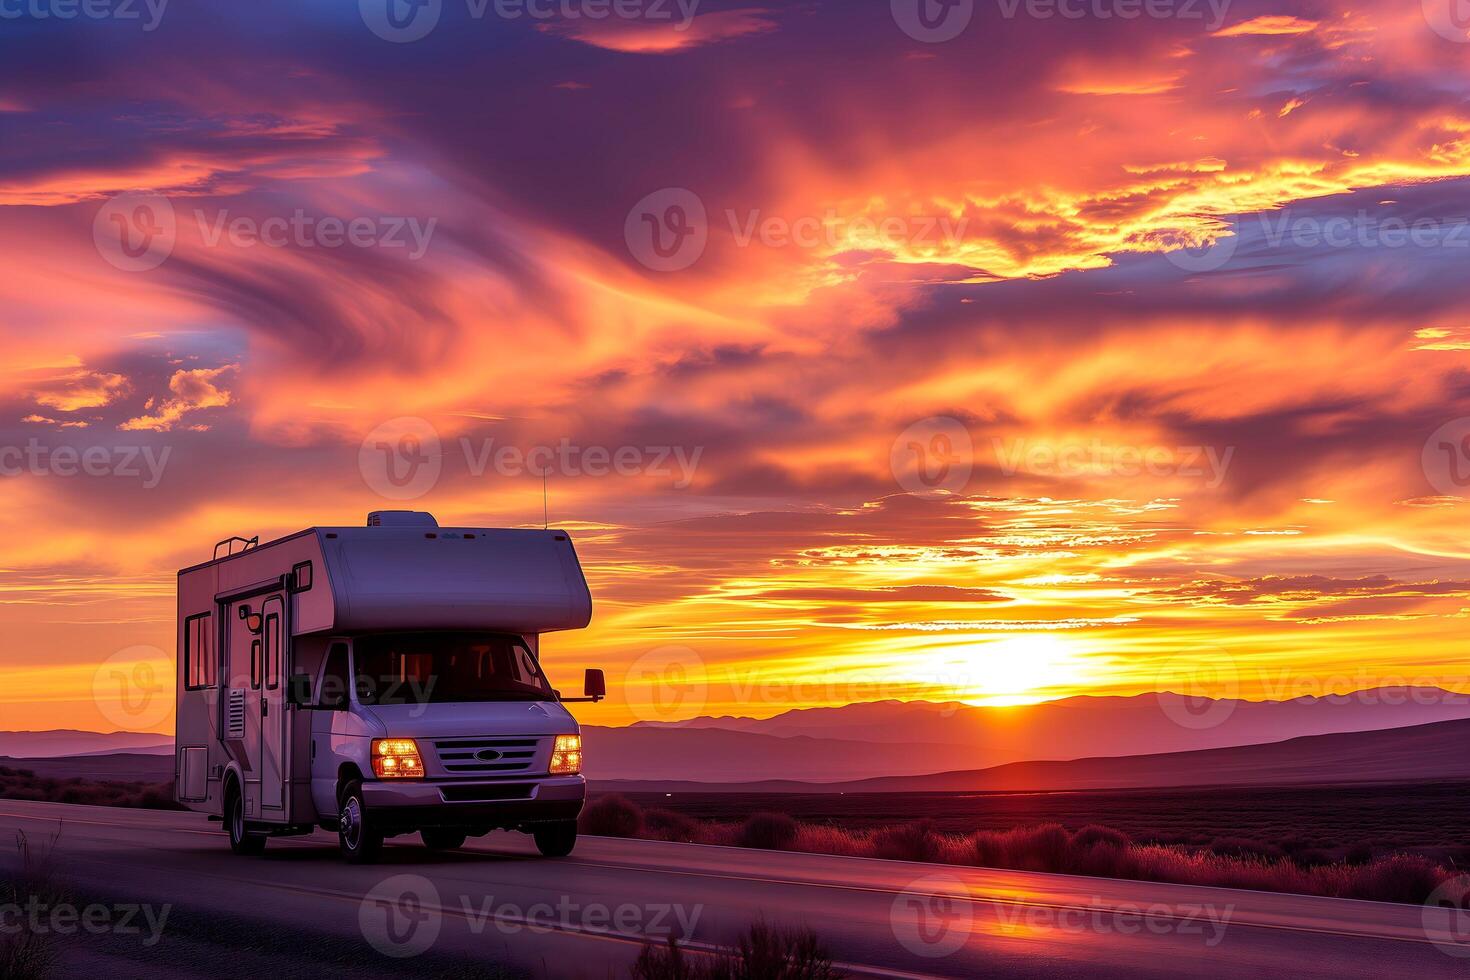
1015, 669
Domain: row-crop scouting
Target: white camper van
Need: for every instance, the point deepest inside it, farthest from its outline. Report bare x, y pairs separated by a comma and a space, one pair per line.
381, 680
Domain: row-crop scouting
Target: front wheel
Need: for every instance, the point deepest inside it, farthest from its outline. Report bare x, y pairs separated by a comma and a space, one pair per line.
241, 842
357, 834
555, 840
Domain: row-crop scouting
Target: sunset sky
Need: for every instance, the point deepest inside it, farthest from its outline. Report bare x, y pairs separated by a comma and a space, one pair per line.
1069, 355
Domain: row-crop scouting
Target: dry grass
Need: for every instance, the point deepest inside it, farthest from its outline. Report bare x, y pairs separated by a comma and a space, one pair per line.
1052, 848
763, 952
23, 784
26, 954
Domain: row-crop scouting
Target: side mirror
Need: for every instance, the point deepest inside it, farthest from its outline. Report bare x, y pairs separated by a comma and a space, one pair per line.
298, 690
595, 686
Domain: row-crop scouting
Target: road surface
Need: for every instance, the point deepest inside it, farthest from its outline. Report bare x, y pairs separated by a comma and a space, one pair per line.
299, 910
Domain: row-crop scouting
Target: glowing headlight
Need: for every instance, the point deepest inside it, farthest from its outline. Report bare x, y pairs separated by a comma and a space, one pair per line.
397, 758
566, 755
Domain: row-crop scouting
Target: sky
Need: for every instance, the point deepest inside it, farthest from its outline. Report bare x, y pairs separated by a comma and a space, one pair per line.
998, 351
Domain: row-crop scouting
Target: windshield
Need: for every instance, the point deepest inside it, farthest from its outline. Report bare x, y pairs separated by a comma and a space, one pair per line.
430, 668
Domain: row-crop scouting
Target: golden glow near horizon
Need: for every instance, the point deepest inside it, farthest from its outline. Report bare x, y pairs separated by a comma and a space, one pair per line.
1148, 376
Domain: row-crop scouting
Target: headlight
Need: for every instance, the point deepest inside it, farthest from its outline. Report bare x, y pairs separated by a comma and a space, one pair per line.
397, 758
566, 755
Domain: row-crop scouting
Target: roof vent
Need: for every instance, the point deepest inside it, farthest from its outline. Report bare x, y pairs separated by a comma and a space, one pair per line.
401, 518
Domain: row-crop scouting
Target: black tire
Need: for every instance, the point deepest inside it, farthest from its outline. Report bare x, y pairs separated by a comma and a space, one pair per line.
241, 840
555, 840
357, 835
443, 838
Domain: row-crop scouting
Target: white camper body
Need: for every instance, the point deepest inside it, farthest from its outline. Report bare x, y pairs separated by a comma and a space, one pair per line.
381, 680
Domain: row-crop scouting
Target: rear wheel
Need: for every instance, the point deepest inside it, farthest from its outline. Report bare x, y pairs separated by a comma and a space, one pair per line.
557, 839
443, 838
241, 841
357, 834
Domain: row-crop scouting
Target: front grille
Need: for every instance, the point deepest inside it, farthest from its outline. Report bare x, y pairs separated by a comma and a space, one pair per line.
479, 756
485, 794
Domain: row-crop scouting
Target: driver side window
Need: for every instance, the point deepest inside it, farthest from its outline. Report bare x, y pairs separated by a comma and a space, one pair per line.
335, 678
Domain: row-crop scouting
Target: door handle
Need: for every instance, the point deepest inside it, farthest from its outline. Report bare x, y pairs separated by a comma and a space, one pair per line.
265, 707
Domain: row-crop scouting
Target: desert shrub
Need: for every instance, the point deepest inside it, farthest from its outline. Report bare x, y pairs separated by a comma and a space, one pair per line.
1359, 854
1093, 834
914, 841
826, 839
667, 825
1397, 878
1045, 847
771, 831
612, 816
763, 952
1242, 847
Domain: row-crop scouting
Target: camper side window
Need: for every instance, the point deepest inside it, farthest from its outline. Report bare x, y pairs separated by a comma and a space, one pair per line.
199, 664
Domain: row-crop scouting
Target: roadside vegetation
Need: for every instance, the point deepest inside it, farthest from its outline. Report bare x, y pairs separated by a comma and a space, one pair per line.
25, 954
23, 784
1051, 847
763, 952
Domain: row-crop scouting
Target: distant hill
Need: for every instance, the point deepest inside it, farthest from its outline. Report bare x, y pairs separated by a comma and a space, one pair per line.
979, 737
70, 742
1422, 753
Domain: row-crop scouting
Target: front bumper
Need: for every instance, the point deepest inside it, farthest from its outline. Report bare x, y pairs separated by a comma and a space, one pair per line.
498, 804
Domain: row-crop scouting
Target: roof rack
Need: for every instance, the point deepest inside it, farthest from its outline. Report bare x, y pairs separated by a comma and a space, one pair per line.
229, 545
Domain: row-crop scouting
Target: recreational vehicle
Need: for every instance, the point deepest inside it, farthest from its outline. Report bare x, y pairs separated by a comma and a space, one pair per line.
379, 681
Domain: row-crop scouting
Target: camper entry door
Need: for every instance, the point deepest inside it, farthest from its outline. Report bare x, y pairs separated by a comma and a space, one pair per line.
272, 708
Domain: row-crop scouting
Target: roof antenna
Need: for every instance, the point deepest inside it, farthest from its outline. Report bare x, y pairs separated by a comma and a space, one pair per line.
545, 506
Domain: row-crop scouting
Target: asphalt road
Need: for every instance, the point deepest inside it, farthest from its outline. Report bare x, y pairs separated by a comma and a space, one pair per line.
299, 910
